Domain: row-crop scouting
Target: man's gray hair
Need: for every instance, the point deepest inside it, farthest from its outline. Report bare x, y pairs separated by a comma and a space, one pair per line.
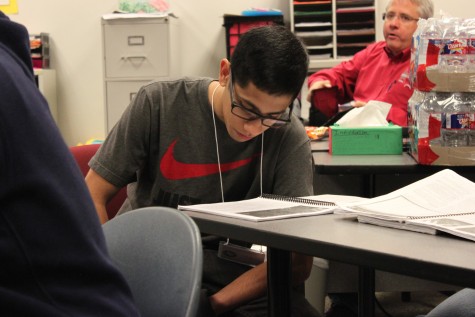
426, 7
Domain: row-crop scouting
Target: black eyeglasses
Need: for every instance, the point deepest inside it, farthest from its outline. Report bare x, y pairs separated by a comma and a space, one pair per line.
272, 121
404, 18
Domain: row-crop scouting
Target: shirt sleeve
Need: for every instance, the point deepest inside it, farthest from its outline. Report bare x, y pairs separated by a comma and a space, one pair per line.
124, 151
343, 76
293, 174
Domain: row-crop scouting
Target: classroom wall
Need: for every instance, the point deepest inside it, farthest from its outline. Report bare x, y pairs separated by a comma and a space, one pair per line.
197, 36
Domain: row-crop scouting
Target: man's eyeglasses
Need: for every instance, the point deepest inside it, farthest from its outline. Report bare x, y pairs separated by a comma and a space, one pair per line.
404, 18
272, 121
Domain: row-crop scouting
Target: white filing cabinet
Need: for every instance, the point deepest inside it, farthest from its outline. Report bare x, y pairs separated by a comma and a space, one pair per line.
136, 51
46, 82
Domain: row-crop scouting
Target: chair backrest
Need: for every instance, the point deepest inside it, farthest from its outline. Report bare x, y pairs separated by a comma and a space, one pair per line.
158, 250
83, 154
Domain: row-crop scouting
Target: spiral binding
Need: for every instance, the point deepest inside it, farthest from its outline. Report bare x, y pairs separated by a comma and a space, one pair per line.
440, 216
298, 200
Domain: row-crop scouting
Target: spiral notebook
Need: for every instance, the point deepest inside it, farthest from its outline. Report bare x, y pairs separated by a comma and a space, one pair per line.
266, 207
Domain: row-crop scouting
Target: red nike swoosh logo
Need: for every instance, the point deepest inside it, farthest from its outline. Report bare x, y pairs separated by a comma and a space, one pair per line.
174, 170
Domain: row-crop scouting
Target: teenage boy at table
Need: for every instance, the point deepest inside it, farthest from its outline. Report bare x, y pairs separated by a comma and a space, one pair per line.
200, 140
54, 260
377, 72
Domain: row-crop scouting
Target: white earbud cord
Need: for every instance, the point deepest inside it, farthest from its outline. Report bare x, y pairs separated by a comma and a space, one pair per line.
217, 150
262, 159
216, 140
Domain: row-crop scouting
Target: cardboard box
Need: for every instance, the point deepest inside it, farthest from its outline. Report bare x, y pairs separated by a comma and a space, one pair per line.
365, 140
431, 152
451, 82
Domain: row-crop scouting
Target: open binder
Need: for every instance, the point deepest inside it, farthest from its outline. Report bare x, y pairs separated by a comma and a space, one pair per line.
442, 202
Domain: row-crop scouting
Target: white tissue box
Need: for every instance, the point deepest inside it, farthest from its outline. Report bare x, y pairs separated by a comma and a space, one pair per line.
365, 140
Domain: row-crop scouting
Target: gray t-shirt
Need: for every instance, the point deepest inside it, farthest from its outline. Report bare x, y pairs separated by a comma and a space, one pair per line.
164, 147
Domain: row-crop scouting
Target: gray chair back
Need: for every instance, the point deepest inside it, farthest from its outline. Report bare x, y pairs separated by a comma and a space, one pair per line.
158, 250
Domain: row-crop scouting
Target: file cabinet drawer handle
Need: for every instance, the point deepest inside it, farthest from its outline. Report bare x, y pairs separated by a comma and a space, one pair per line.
134, 57
136, 40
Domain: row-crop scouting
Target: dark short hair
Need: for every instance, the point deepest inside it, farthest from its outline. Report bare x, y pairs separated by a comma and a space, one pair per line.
272, 58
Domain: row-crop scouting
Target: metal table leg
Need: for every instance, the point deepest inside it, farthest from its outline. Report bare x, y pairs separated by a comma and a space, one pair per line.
366, 292
279, 275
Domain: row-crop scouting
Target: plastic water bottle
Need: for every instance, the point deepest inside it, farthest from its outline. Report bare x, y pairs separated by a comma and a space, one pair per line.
413, 106
471, 131
456, 119
454, 56
420, 104
470, 30
430, 115
436, 102
417, 44
431, 43
427, 45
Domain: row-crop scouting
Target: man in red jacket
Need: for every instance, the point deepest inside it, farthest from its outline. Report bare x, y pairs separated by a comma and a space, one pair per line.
377, 72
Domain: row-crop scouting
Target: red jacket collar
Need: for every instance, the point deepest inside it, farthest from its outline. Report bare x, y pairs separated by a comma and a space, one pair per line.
405, 54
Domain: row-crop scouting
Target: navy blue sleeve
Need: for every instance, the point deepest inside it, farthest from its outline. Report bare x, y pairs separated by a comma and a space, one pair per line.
53, 256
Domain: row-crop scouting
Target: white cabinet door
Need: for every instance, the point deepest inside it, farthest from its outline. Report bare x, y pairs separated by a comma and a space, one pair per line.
118, 96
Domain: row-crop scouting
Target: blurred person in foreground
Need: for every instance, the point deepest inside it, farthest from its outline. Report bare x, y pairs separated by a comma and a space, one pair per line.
53, 255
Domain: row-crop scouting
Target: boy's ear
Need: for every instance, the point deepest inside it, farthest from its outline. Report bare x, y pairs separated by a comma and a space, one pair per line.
224, 72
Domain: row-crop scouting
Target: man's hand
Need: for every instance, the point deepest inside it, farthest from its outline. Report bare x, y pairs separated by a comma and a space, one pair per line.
319, 84
358, 103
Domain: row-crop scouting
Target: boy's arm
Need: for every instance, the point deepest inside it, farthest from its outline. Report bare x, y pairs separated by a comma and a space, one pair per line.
101, 192
253, 284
